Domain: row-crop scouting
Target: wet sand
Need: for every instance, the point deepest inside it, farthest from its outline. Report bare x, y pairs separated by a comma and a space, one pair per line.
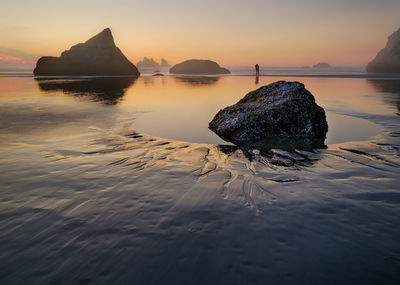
87, 198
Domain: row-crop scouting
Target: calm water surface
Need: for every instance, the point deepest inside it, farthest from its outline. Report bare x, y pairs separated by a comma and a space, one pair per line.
119, 180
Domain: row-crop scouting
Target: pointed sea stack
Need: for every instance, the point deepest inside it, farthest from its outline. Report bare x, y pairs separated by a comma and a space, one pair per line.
97, 56
388, 59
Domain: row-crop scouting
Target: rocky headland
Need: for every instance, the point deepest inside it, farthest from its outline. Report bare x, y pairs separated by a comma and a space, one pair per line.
388, 59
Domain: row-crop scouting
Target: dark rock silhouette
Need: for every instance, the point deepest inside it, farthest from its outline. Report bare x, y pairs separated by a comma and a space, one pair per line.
388, 59
97, 56
198, 66
322, 65
283, 112
108, 90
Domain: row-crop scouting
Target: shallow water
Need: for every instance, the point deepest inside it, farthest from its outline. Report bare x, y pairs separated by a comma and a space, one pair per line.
120, 181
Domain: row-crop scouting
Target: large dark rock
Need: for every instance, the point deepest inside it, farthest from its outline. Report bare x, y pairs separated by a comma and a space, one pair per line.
282, 111
198, 66
388, 59
97, 56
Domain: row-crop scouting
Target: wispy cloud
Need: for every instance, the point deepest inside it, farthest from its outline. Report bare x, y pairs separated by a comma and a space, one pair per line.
15, 59
6, 57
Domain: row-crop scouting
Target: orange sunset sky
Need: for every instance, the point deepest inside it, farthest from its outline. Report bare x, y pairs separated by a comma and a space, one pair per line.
269, 32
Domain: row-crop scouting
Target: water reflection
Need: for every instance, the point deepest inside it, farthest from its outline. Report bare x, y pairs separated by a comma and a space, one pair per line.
390, 90
108, 90
197, 80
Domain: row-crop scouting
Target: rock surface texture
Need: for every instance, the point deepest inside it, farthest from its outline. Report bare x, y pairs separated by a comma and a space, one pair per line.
281, 110
388, 59
97, 56
198, 66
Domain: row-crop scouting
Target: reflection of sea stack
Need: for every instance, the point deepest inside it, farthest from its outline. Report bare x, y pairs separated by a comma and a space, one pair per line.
390, 90
97, 56
198, 80
388, 59
108, 90
198, 66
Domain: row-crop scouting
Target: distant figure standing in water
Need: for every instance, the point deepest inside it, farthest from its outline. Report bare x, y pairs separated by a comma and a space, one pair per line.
257, 69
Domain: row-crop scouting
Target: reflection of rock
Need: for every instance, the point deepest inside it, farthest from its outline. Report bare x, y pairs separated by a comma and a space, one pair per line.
388, 59
276, 114
322, 65
198, 80
390, 89
198, 66
97, 56
108, 90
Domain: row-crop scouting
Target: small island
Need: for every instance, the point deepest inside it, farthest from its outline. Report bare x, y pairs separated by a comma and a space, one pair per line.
388, 59
198, 66
322, 65
99, 56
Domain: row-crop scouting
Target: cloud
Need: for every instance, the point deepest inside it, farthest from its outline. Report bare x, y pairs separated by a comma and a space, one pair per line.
6, 57
15, 59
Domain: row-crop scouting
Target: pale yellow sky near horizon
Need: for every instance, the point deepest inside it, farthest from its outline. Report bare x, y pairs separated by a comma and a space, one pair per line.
269, 32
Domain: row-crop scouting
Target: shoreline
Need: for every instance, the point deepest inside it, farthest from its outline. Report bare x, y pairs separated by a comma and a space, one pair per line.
394, 76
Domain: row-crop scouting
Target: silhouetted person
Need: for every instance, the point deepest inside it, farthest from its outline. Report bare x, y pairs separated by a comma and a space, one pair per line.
257, 70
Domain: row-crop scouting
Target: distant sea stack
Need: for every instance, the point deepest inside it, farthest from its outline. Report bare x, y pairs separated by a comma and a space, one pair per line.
147, 62
198, 66
322, 65
97, 56
388, 59
150, 62
164, 63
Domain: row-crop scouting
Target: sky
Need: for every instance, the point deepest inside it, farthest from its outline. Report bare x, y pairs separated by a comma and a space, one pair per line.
231, 32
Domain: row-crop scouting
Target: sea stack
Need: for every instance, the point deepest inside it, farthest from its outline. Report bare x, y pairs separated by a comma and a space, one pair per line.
282, 110
322, 65
388, 59
97, 56
198, 66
